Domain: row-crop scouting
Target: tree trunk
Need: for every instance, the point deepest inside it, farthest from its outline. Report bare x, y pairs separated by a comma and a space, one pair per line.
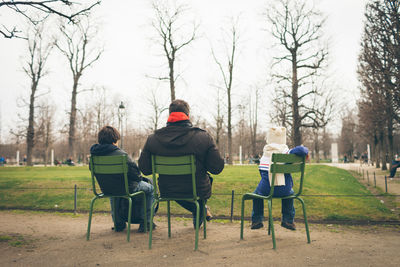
72, 119
172, 79
377, 151
382, 150
390, 135
296, 135
30, 137
316, 146
229, 127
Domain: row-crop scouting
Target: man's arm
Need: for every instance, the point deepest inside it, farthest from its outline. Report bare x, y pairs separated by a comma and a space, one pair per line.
214, 161
145, 160
299, 151
133, 171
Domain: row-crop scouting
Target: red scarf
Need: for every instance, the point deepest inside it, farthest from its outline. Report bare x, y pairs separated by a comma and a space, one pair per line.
177, 116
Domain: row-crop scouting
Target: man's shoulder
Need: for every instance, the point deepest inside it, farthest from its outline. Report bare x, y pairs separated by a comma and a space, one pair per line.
197, 129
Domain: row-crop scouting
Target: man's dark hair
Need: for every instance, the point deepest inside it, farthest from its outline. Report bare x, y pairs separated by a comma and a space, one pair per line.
179, 105
108, 135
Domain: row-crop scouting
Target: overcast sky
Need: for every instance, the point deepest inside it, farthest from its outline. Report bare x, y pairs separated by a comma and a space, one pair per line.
131, 54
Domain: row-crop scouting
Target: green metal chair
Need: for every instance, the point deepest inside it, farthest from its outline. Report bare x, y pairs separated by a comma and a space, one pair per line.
181, 165
111, 173
281, 163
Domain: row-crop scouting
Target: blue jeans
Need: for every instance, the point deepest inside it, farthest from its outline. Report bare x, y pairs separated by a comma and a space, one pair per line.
288, 211
148, 190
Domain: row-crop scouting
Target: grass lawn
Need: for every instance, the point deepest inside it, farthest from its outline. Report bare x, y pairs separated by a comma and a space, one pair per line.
53, 188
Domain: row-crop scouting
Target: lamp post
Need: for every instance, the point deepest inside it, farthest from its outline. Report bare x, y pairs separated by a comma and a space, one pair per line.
121, 109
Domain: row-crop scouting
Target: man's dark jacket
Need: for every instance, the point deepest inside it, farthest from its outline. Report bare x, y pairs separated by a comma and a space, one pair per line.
177, 139
134, 176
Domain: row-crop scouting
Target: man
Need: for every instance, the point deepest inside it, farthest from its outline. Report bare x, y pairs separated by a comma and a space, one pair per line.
395, 165
108, 138
178, 138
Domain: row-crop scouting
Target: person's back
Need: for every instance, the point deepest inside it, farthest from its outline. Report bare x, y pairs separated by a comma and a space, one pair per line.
179, 138
108, 140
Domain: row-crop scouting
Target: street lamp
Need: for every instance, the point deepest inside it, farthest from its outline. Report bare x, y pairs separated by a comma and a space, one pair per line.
121, 109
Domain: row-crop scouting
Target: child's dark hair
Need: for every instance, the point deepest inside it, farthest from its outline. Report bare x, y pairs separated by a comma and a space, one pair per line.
108, 135
179, 105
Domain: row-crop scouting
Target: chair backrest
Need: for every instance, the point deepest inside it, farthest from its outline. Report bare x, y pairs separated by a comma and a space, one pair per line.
287, 163
179, 165
111, 173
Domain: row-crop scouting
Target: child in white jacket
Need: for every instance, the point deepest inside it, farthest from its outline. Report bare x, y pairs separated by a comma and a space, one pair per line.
276, 143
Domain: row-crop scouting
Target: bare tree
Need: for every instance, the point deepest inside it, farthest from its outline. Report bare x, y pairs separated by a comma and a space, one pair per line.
227, 76
348, 136
63, 8
157, 109
45, 129
253, 118
218, 119
39, 50
78, 45
379, 71
174, 36
297, 28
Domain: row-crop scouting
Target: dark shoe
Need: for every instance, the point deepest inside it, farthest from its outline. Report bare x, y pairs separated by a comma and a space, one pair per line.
119, 228
209, 216
288, 225
256, 225
141, 227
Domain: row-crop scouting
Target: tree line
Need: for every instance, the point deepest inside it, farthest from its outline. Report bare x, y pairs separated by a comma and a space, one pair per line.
379, 75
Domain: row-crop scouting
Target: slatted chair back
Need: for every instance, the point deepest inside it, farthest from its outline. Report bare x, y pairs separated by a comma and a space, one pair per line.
180, 165
111, 173
287, 163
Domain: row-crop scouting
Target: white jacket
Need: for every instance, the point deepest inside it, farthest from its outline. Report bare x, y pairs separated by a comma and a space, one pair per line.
265, 161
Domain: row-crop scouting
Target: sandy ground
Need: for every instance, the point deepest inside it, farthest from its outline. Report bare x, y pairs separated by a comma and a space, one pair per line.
47, 239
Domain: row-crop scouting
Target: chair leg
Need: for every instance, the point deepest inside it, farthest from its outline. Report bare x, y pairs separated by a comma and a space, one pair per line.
114, 205
204, 220
305, 218
271, 222
145, 212
169, 217
242, 218
196, 239
90, 218
151, 222
129, 219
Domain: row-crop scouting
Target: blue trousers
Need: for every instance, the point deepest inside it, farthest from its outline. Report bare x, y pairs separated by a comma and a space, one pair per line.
288, 211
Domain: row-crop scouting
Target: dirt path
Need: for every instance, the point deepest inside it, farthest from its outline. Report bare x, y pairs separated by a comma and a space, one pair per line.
47, 239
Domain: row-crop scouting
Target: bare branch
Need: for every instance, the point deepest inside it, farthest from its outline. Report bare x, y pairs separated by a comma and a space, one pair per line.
45, 8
